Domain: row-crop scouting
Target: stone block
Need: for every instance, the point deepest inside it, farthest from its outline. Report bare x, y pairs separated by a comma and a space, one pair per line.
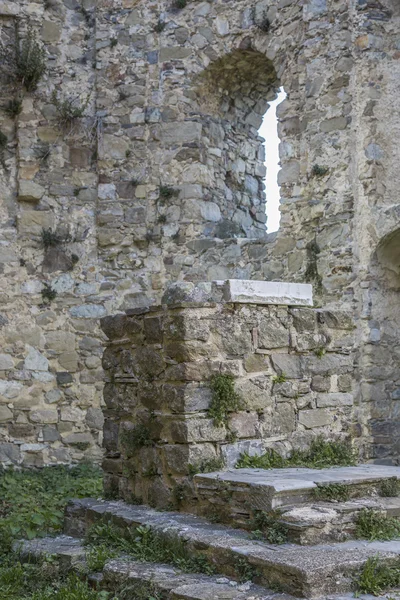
5, 414
60, 341
289, 365
317, 417
268, 292
334, 399
6, 362
28, 191
9, 453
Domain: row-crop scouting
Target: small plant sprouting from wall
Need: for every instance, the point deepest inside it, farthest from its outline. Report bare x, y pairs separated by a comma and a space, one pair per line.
279, 378
319, 171
48, 293
13, 107
179, 4
311, 274
3, 141
30, 63
52, 239
167, 192
224, 399
160, 26
320, 455
207, 466
69, 109
135, 438
332, 492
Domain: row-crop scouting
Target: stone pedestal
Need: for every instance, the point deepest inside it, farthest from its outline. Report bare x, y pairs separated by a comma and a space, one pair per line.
292, 369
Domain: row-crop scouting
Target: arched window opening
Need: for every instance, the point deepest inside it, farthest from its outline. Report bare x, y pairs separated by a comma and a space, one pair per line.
269, 131
233, 95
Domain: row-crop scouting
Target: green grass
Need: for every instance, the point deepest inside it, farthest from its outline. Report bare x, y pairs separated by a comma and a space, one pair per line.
375, 577
144, 544
32, 502
32, 505
372, 525
321, 454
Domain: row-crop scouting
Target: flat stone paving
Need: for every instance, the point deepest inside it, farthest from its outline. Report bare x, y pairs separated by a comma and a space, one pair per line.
301, 478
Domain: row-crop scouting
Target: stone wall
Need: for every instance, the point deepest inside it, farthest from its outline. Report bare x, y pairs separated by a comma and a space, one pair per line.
293, 369
161, 179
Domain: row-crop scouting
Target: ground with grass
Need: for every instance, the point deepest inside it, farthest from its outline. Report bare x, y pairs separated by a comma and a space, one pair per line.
32, 505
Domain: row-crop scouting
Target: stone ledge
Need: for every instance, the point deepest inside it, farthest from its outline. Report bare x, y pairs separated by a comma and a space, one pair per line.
267, 292
240, 291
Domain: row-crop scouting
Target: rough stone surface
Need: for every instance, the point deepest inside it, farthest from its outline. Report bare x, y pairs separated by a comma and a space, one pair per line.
158, 367
161, 179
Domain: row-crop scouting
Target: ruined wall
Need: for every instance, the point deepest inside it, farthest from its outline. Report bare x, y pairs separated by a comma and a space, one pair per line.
161, 178
293, 368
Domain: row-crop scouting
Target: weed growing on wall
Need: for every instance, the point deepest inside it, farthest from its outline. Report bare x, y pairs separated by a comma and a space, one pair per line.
320, 455
224, 399
13, 107
332, 492
135, 438
30, 63
48, 293
69, 109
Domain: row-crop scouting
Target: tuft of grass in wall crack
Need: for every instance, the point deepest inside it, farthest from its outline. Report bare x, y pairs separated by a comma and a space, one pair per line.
48, 293
30, 62
167, 192
179, 4
69, 109
224, 399
133, 439
13, 107
319, 171
320, 455
332, 492
160, 26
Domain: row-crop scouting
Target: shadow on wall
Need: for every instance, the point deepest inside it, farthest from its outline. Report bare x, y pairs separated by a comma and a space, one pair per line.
233, 95
382, 351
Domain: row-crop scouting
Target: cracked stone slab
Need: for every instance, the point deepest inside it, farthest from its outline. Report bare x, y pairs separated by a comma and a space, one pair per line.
310, 572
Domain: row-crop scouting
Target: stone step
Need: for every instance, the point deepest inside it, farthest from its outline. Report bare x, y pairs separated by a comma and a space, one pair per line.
235, 495
311, 572
148, 578
331, 521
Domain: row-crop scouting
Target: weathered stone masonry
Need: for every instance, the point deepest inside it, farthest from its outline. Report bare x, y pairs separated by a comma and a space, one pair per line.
294, 370
161, 180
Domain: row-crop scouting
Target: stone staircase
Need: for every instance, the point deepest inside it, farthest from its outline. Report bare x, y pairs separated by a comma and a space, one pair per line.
327, 567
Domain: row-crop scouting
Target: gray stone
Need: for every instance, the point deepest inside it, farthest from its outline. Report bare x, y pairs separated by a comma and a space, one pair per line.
315, 418
95, 418
35, 361
6, 362
88, 311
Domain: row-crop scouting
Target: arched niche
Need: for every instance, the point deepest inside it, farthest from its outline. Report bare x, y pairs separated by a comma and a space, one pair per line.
232, 95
